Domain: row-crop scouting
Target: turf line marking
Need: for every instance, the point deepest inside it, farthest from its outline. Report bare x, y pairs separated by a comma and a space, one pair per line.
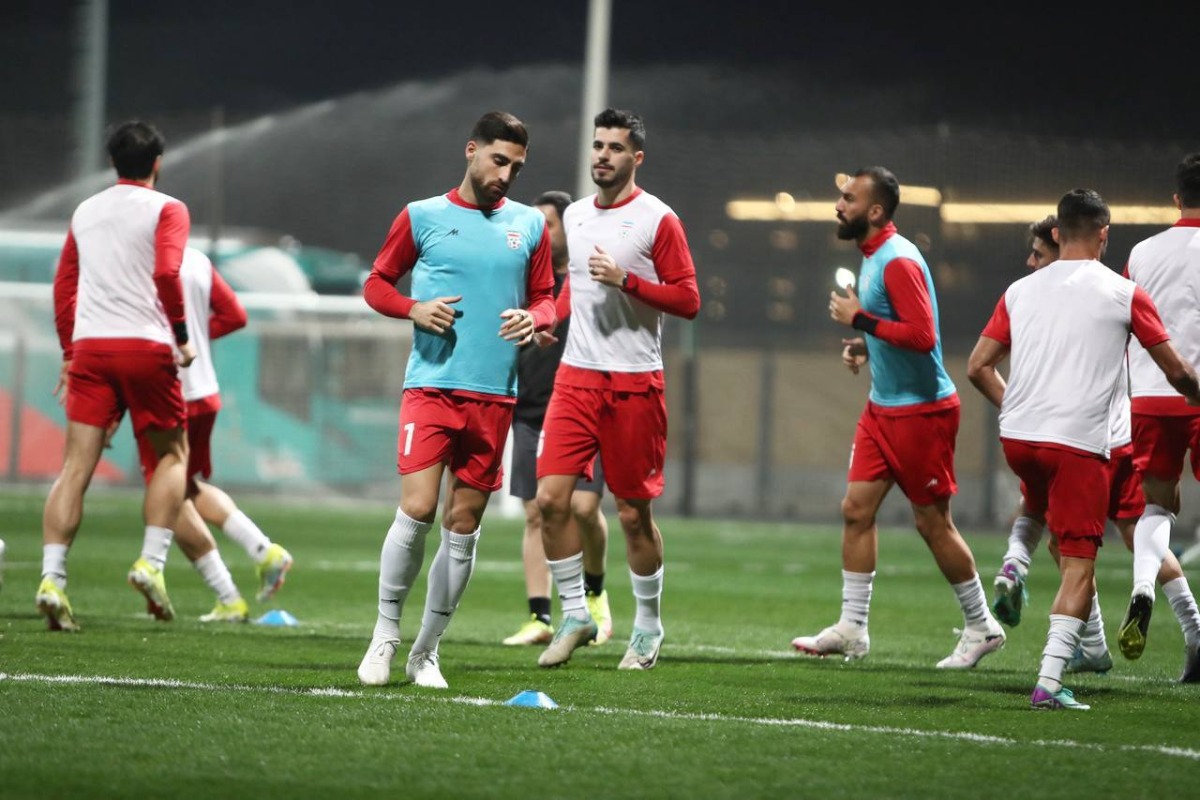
819, 725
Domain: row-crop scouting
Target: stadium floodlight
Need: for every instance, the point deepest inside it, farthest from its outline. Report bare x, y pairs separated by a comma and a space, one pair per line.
844, 278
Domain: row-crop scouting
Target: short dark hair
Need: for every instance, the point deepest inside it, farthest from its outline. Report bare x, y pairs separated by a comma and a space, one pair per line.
499, 125
1081, 213
618, 118
1044, 230
560, 201
1187, 181
133, 147
887, 188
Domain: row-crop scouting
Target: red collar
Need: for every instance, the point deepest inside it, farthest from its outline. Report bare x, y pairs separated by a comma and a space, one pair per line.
457, 199
632, 196
870, 246
1187, 222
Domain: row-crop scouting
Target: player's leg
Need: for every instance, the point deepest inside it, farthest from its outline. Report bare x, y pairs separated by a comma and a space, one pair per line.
423, 447
849, 636
1009, 586
271, 559
197, 543
644, 552
60, 521
981, 632
1071, 607
448, 576
477, 470
593, 531
165, 494
569, 443
536, 628
1093, 655
869, 479
1160, 446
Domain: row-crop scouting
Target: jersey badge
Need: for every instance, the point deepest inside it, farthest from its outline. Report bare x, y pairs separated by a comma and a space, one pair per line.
514, 240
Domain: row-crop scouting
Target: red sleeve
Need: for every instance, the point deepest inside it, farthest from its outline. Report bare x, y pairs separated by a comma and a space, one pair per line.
66, 285
396, 258
228, 313
540, 286
999, 327
677, 293
913, 327
562, 303
170, 237
1145, 322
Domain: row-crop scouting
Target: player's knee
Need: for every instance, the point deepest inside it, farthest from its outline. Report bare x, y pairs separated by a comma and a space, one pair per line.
421, 509
857, 514
552, 504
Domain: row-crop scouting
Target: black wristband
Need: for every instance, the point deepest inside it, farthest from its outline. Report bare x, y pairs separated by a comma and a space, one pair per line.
181, 334
864, 322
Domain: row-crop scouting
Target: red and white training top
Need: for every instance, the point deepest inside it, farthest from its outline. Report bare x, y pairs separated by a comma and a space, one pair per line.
213, 310
117, 285
1167, 266
1067, 326
620, 330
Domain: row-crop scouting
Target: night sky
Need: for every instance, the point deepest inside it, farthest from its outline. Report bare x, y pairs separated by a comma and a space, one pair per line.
1087, 73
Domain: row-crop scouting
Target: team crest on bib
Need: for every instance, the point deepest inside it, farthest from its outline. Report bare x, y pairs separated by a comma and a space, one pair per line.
514, 240
626, 227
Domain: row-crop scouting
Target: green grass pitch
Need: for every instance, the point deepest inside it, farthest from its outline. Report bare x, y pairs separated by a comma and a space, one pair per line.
134, 708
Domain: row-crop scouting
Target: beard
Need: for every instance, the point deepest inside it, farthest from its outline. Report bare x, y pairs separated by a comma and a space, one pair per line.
852, 229
614, 177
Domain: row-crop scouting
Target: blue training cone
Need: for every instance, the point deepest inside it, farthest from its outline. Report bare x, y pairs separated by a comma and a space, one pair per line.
531, 699
278, 618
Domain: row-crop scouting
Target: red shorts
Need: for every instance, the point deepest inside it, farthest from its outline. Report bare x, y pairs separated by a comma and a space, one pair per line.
1068, 488
628, 429
102, 385
464, 431
1125, 497
1160, 444
914, 450
199, 436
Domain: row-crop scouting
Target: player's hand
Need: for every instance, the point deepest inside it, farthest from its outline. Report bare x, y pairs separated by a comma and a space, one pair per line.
64, 379
435, 316
518, 325
842, 308
604, 269
544, 339
186, 355
854, 353
1193, 401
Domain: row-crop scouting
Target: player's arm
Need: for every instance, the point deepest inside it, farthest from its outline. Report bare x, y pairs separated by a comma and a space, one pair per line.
227, 312
677, 292
913, 328
520, 324
170, 238
66, 288
1147, 326
395, 260
991, 349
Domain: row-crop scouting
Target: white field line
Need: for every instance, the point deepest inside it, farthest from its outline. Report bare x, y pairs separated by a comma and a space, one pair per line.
1169, 751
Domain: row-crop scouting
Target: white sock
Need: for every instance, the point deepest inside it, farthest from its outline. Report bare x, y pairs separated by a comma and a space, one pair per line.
242, 530
216, 575
856, 599
156, 544
448, 577
1151, 541
974, 604
647, 592
54, 563
568, 577
1023, 541
1179, 594
1092, 639
1061, 642
399, 565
